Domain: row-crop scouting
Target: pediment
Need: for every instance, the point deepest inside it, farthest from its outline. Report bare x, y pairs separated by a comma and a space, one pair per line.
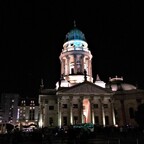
84, 88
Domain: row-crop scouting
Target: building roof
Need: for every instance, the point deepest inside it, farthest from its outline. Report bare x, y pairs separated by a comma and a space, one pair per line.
75, 34
85, 87
117, 84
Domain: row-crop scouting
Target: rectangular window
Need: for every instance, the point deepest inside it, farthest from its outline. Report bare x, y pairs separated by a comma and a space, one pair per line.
51, 107
105, 105
64, 105
95, 106
75, 105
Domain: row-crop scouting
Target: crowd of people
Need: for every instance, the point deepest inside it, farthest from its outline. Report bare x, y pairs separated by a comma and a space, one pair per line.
70, 134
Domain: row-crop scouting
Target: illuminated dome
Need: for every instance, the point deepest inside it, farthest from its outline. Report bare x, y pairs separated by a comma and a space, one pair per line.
75, 34
117, 84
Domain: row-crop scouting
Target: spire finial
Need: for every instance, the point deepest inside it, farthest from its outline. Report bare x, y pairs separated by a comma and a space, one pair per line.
97, 78
42, 84
74, 23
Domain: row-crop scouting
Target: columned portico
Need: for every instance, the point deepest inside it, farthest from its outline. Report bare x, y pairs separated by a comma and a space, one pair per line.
81, 116
92, 110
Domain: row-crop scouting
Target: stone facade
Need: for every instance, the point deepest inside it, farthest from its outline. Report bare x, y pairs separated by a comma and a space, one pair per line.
77, 99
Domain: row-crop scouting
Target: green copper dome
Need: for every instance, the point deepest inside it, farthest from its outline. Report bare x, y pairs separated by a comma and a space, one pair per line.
75, 34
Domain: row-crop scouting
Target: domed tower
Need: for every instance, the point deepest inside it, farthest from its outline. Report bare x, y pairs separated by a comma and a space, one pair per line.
117, 84
76, 58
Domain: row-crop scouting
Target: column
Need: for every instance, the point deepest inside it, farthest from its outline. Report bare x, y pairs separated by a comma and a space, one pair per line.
82, 61
68, 66
123, 112
81, 110
41, 120
46, 116
59, 111
89, 66
71, 110
112, 111
102, 110
86, 63
62, 66
75, 64
92, 110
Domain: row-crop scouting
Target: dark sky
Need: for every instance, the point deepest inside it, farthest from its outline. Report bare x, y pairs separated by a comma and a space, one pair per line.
32, 36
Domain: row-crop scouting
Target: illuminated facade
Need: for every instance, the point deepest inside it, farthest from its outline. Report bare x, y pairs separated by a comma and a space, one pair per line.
20, 112
8, 110
27, 113
77, 99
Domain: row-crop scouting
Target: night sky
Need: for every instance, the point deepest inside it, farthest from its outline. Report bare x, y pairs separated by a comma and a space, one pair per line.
33, 33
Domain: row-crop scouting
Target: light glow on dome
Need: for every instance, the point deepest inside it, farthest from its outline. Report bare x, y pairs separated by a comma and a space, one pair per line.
124, 86
118, 84
100, 83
